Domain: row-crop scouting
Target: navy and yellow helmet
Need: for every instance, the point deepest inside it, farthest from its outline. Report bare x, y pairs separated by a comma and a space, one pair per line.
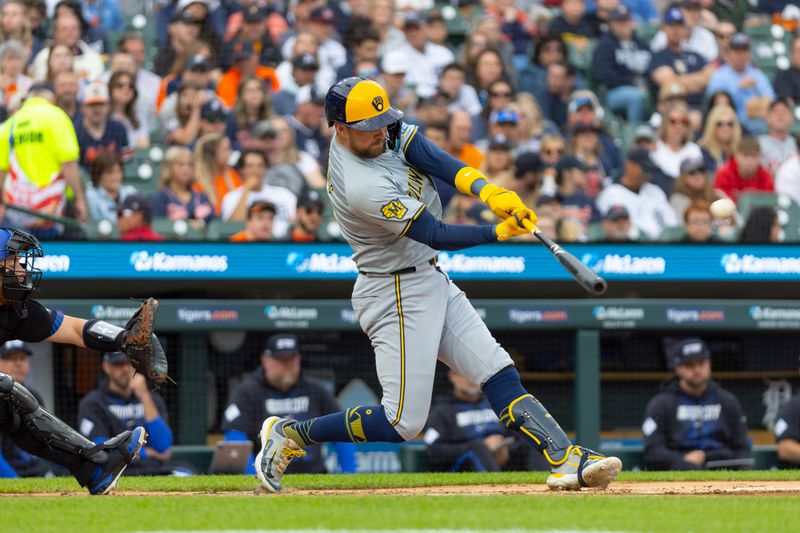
360, 104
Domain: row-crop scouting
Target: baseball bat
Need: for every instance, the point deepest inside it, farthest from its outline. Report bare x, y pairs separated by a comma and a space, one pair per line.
584, 275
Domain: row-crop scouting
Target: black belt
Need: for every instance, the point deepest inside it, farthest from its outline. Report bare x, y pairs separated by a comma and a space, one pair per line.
407, 270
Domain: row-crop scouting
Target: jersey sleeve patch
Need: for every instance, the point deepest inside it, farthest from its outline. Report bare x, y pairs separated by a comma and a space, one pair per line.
394, 209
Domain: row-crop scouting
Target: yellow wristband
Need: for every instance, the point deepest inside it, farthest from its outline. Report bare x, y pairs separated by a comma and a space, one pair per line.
466, 177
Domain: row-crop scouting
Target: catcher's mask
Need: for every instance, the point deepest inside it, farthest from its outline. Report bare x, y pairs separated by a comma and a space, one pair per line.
363, 105
18, 252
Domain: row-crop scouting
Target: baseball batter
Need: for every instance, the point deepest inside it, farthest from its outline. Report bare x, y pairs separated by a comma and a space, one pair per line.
382, 185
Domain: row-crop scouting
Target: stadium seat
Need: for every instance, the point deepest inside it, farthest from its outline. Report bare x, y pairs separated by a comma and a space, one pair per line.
747, 201
221, 230
177, 230
596, 232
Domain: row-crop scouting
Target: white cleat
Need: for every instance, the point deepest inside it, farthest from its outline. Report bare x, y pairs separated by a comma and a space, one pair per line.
584, 468
277, 451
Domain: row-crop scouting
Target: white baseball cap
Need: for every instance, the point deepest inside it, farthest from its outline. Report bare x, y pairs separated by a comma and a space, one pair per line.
395, 62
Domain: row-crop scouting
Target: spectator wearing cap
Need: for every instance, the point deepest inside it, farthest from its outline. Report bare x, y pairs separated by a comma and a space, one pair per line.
252, 28
331, 54
644, 137
308, 122
363, 45
787, 433
183, 128
676, 63
699, 223
304, 72
122, 401
252, 167
555, 95
428, 59
193, 71
744, 171
258, 224
616, 225
288, 166
394, 66
97, 130
177, 199
693, 185
693, 423
213, 118
528, 169
106, 191
67, 31
15, 361
279, 387
308, 221
643, 11
252, 106
572, 184
245, 64
698, 39
750, 88
134, 218
572, 25
504, 121
586, 147
778, 144
720, 137
37, 174
647, 205
787, 82
620, 61
208, 16
674, 143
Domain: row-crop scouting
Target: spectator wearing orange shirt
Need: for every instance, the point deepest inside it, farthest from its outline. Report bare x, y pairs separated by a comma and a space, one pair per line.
258, 225
245, 64
744, 172
459, 131
215, 176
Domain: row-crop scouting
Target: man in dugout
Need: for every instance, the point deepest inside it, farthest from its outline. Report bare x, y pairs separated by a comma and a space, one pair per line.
278, 387
693, 423
464, 434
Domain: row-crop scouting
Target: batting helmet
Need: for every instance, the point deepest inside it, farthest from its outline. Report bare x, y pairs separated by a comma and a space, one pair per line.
360, 104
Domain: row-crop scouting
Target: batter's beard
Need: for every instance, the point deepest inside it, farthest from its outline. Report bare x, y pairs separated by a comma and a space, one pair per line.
372, 152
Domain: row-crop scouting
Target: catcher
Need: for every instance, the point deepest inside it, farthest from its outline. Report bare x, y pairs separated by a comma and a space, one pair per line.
96, 466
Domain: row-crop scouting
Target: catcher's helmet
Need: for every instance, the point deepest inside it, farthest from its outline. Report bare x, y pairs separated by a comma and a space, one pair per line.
360, 104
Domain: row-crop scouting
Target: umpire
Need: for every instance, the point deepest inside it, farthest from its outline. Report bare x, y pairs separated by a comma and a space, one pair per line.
694, 423
279, 388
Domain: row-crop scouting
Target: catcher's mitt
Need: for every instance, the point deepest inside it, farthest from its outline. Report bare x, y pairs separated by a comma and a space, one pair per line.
141, 345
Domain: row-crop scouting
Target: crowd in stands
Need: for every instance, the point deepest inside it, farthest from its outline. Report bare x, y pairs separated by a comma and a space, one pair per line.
616, 120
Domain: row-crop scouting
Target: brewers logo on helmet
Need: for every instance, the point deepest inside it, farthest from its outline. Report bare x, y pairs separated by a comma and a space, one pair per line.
360, 104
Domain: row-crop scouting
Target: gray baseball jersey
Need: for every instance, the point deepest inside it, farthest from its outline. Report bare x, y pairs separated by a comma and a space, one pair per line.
412, 318
374, 202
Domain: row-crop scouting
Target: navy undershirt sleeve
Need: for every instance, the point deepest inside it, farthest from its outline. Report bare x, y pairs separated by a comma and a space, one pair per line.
431, 231
432, 160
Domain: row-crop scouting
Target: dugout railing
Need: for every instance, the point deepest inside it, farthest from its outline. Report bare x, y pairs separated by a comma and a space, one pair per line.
593, 363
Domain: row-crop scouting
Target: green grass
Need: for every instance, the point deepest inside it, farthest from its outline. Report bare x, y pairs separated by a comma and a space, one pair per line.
66, 512
370, 481
634, 513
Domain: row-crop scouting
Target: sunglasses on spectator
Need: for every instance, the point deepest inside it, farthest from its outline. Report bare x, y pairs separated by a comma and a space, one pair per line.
679, 121
501, 95
727, 123
123, 86
725, 36
558, 151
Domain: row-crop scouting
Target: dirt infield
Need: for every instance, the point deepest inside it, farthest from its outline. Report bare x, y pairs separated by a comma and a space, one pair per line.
696, 488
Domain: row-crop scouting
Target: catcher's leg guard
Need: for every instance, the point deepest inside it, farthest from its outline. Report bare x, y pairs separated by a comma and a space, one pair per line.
37, 431
528, 416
